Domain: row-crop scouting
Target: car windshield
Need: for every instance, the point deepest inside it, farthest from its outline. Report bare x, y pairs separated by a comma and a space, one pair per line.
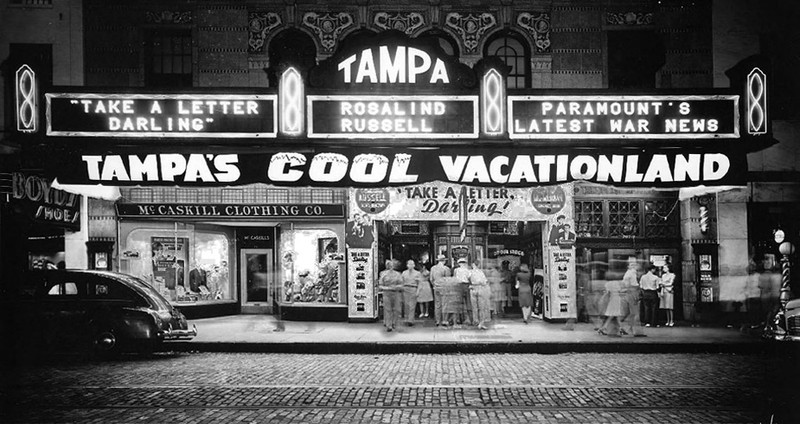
159, 301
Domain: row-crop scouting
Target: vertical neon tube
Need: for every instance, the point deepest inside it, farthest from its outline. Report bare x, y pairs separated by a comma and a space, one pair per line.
756, 102
26, 99
492, 101
291, 102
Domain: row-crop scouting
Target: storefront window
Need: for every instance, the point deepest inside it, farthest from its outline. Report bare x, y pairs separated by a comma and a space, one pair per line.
186, 266
312, 266
211, 267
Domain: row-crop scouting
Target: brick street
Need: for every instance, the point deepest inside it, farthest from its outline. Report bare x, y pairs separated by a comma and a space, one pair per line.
255, 388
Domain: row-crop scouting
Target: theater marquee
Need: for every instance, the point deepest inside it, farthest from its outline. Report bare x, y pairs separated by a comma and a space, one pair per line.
370, 117
161, 115
623, 117
351, 120
365, 167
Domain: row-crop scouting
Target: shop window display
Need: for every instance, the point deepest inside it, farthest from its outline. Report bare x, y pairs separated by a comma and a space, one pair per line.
184, 266
311, 265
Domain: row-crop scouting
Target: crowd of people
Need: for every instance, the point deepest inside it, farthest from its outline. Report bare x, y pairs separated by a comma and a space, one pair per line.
622, 301
468, 295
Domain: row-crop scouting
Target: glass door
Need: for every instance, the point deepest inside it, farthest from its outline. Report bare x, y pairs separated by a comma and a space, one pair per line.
256, 280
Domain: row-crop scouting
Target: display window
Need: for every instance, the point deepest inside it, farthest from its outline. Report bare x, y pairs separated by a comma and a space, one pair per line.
312, 265
185, 264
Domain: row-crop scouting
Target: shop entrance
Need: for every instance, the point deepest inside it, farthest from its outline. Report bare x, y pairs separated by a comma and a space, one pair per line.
256, 279
498, 247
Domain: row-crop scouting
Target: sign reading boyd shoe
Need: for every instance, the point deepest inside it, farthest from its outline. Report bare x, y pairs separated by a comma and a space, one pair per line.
45, 204
363, 167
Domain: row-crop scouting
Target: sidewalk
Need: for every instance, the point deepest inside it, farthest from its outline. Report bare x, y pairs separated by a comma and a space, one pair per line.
264, 333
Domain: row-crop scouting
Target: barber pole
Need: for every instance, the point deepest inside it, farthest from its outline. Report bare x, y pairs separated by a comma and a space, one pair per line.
703, 219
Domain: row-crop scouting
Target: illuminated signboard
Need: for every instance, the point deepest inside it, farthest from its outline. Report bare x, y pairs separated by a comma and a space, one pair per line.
364, 167
390, 86
392, 117
623, 117
161, 115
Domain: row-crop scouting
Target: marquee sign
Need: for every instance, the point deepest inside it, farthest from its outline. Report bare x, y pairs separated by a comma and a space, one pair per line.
404, 117
161, 115
623, 117
391, 61
350, 167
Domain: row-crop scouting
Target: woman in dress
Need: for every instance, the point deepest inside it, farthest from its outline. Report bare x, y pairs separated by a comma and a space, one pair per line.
667, 293
424, 292
525, 291
613, 309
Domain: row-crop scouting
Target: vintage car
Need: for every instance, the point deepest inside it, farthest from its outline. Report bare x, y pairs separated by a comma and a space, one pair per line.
785, 327
105, 312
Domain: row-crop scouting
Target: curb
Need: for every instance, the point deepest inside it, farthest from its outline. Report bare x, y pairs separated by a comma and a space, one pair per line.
449, 347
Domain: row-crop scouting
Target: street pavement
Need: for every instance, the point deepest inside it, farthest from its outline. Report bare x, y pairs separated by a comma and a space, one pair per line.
182, 387
264, 333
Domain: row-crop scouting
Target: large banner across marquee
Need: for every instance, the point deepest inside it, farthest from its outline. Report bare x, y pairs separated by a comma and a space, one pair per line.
437, 201
394, 167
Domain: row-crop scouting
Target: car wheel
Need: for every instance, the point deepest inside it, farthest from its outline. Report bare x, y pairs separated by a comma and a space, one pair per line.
105, 343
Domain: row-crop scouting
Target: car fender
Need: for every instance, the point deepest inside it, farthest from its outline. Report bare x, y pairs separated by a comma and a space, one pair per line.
127, 324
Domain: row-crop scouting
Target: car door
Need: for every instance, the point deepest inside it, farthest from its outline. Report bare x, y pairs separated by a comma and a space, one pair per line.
62, 311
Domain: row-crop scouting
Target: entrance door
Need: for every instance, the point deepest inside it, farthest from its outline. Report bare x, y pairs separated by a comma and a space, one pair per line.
256, 280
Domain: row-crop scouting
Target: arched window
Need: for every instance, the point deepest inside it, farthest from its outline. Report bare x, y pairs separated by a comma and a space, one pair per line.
290, 47
443, 40
512, 49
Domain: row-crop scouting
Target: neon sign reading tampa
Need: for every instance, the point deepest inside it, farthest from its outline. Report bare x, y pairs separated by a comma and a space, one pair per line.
392, 116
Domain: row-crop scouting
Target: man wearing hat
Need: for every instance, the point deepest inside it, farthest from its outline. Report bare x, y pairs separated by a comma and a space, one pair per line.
438, 272
463, 272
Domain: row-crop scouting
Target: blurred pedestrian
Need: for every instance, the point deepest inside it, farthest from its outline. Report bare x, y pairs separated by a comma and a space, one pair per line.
480, 297
390, 282
507, 279
666, 293
462, 273
649, 284
525, 291
424, 291
438, 273
630, 300
452, 304
498, 289
614, 309
411, 280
